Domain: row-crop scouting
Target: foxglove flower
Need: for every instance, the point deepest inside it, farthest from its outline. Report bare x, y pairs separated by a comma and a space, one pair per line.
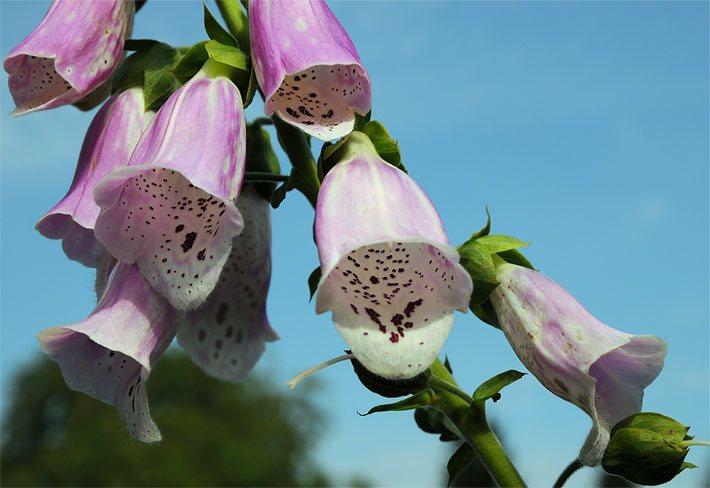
307, 66
71, 53
108, 144
578, 358
389, 275
226, 335
170, 210
109, 355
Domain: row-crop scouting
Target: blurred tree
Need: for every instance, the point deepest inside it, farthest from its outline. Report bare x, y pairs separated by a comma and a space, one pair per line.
215, 433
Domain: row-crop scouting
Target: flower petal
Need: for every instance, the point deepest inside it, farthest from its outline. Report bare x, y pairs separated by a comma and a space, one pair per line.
71, 53
390, 276
578, 358
108, 144
109, 355
307, 66
171, 209
226, 336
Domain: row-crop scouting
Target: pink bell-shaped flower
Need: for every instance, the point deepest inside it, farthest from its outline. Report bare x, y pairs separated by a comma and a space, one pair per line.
227, 334
578, 358
110, 354
307, 66
108, 144
171, 209
71, 53
389, 275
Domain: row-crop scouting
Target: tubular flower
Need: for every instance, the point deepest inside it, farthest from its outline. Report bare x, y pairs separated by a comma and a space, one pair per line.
170, 210
389, 275
601, 370
226, 335
108, 144
109, 355
71, 53
307, 66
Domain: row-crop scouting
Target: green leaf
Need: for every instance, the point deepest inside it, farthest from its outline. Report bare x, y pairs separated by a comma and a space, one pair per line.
459, 461
215, 30
500, 243
390, 388
159, 82
139, 44
485, 230
668, 428
489, 388
513, 256
313, 280
421, 399
687, 465
252, 86
433, 421
191, 62
226, 54
387, 148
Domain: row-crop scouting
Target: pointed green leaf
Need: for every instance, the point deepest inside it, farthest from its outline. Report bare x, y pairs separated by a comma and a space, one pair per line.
485, 230
252, 85
387, 148
226, 54
313, 281
513, 256
139, 44
280, 192
191, 62
500, 243
361, 120
459, 461
159, 82
494, 385
687, 465
421, 399
215, 30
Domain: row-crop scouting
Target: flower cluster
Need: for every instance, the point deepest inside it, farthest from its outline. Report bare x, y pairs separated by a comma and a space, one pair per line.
163, 207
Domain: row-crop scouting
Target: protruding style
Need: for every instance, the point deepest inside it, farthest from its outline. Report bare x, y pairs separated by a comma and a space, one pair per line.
389, 274
307, 66
578, 358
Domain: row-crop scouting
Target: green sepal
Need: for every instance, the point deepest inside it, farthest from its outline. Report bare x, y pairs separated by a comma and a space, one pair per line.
260, 157
361, 120
492, 387
387, 148
390, 388
313, 280
667, 427
687, 465
252, 85
191, 62
215, 30
158, 80
421, 399
131, 71
447, 365
477, 261
497, 243
326, 158
226, 54
513, 256
459, 461
280, 192
432, 421
139, 44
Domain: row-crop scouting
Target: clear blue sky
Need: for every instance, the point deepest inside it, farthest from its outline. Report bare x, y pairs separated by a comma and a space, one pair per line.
582, 125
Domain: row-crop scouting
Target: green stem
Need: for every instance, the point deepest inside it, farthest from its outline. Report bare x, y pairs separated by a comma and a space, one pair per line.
263, 177
295, 145
236, 21
470, 418
568, 471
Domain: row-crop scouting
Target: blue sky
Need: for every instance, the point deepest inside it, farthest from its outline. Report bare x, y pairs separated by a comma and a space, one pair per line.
582, 125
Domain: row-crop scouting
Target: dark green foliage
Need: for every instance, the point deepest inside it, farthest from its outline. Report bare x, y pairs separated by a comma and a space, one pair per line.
214, 434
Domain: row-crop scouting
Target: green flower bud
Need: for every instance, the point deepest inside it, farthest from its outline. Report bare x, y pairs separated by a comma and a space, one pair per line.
647, 448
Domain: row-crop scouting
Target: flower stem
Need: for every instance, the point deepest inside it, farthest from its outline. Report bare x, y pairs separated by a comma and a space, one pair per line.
295, 145
568, 471
470, 418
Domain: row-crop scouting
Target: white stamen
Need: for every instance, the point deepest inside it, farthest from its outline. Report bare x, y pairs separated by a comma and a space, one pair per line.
297, 379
